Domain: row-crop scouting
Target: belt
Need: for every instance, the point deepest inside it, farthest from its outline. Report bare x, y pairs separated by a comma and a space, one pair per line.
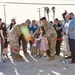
72, 39
64, 33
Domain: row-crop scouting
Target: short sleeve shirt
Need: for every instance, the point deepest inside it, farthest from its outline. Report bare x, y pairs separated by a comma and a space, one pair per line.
72, 26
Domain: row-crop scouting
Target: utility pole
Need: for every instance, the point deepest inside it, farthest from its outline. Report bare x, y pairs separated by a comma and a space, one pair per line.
39, 14
4, 6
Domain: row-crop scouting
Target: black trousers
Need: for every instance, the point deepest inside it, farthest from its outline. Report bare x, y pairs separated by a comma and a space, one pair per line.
58, 43
72, 49
24, 43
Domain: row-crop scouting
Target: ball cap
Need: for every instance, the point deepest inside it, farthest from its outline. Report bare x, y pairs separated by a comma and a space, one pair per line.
28, 21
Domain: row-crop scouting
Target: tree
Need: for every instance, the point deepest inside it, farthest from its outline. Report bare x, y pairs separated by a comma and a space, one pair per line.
46, 9
53, 9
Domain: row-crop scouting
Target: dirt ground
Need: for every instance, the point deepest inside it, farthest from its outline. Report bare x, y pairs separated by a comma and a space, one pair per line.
36, 66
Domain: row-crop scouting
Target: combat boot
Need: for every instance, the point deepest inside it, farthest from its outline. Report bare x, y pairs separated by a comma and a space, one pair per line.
18, 57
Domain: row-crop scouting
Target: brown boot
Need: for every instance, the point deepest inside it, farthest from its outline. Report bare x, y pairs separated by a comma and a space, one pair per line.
18, 57
26, 53
51, 58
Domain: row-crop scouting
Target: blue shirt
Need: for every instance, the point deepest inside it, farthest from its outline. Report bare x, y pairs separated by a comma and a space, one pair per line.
66, 26
32, 28
72, 26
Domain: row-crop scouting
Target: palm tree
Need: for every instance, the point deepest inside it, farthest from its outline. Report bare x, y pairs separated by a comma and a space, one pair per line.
53, 9
46, 9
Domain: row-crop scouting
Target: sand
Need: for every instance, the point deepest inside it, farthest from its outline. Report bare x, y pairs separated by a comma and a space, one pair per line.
36, 66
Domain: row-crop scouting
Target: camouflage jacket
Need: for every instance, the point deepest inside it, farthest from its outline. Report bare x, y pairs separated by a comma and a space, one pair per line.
16, 30
49, 30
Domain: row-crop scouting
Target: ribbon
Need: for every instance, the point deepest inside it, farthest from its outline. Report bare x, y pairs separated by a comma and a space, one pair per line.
59, 39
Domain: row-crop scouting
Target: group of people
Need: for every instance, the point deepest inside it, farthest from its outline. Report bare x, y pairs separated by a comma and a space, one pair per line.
46, 38
68, 35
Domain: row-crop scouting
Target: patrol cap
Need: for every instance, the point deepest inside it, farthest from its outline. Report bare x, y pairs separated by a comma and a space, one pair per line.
43, 18
28, 21
56, 19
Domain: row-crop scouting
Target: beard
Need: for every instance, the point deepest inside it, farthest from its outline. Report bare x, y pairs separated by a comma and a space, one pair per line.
70, 18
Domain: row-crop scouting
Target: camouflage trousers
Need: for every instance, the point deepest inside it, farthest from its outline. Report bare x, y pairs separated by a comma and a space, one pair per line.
14, 44
52, 45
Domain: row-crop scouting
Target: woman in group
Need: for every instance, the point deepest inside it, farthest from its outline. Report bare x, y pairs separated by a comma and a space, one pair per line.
2, 42
59, 36
4, 29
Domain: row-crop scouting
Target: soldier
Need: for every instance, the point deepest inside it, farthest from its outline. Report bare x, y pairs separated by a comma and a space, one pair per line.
51, 36
14, 35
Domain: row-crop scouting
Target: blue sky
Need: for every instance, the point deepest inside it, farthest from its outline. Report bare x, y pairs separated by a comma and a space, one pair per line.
23, 12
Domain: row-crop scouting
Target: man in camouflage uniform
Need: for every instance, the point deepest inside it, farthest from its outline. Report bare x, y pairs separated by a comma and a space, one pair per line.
14, 35
51, 36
